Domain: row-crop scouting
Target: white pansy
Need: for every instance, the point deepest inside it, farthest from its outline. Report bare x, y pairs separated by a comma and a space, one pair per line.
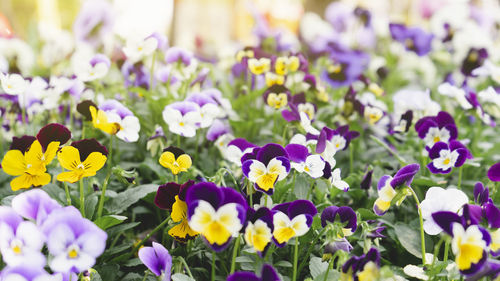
434, 134
446, 159
13, 84
446, 89
138, 48
337, 181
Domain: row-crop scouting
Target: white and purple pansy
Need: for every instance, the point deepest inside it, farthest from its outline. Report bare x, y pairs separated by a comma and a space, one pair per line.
346, 216
209, 109
330, 141
34, 205
28, 272
268, 273
413, 38
446, 156
387, 186
116, 112
96, 68
20, 241
73, 241
292, 219
364, 267
183, 118
302, 161
297, 105
440, 128
217, 213
265, 166
237, 148
259, 229
470, 242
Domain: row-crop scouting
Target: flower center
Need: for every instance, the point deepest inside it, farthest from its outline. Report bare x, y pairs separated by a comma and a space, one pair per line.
436, 139
80, 166
73, 251
16, 246
181, 124
446, 161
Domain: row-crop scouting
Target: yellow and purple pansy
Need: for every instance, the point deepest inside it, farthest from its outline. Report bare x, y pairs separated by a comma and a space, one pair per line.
82, 158
362, 268
172, 196
439, 128
387, 187
446, 156
265, 166
277, 96
175, 159
28, 156
259, 229
217, 213
258, 66
292, 219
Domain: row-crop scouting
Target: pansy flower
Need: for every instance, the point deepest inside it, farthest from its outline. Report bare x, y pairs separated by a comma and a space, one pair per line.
259, 66
446, 156
265, 166
157, 259
292, 219
137, 48
259, 229
302, 161
283, 65
73, 241
34, 205
28, 272
345, 67
330, 141
217, 213
28, 156
413, 38
346, 217
172, 196
99, 118
237, 148
277, 96
297, 105
274, 79
82, 158
440, 128
387, 186
404, 124
178, 55
474, 59
470, 241
95, 68
13, 84
117, 113
209, 109
268, 273
182, 118
175, 159
362, 268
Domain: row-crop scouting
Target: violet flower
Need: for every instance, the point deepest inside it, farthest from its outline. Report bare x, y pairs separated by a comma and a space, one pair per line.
494, 172
330, 141
268, 273
413, 38
362, 267
439, 128
157, 259
35, 205
345, 68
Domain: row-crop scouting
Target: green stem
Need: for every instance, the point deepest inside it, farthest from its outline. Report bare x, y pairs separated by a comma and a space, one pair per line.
103, 194
421, 220
176, 178
110, 154
149, 235
295, 259
213, 266
179, 141
145, 275
183, 261
250, 191
309, 250
330, 265
235, 253
82, 199
446, 249
401, 160
460, 170
351, 157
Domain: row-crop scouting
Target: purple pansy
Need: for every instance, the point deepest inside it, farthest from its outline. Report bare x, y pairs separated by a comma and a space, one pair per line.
346, 67
446, 156
413, 38
35, 205
268, 273
303, 161
292, 219
330, 141
28, 272
73, 241
433, 129
218, 128
346, 216
265, 166
207, 204
157, 259
494, 172
356, 265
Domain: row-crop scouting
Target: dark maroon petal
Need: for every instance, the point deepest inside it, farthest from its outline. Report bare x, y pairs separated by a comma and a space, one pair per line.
405, 175
84, 109
493, 172
174, 150
87, 146
165, 195
492, 214
299, 207
184, 188
438, 146
53, 132
270, 151
444, 118
299, 98
446, 220
22, 144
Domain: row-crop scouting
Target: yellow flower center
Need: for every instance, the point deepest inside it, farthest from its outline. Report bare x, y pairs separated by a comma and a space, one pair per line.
446, 161
436, 139
181, 124
73, 252
16, 247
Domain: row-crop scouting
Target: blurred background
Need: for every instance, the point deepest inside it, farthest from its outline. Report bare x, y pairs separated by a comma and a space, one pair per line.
202, 25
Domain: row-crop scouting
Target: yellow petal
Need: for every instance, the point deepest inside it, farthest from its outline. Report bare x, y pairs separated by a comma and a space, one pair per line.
167, 159
72, 176
283, 234
100, 121
23, 181
69, 157
40, 180
14, 163
184, 162
51, 152
216, 233
34, 156
182, 232
179, 210
266, 182
93, 163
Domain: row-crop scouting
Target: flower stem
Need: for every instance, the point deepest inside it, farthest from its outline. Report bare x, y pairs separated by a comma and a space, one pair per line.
295, 259
460, 170
401, 160
309, 250
421, 220
446, 249
213, 266
183, 261
82, 199
235, 253
145, 275
103, 194
351, 156
149, 235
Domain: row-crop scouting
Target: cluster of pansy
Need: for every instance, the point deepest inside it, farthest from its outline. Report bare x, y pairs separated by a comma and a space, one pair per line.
36, 224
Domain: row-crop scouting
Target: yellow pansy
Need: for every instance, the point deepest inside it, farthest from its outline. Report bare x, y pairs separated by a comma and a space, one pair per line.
181, 232
100, 121
69, 158
180, 163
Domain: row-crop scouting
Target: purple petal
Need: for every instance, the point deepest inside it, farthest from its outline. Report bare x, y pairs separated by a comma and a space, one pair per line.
243, 276
443, 118
297, 152
299, 207
217, 129
270, 151
492, 214
382, 181
34, 204
405, 175
434, 151
269, 274
10, 217
446, 219
494, 172
435, 170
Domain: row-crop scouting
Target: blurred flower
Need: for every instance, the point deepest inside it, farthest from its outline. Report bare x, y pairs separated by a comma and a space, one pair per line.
182, 118
474, 59
364, 267
82, 158
117, 113
337, 181
208, 108
34, 205
137, 48
292, 219
157, 259
413, 38
95, 68
13, 84
494, 172
94, 22
259, 66
347, 218
175, 159
345, 67
217, 213
268, 273
277, 96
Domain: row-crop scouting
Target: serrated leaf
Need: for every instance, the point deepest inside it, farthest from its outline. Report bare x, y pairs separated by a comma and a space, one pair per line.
367, 214
106, 222
128, 197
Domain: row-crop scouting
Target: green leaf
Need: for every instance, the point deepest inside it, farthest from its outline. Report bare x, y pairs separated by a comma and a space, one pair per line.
106, 222
317, 266
55, 192
367, 214
181, 277
302, 186
120, 228
90, 205
409, 239
283, 264
128, 197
